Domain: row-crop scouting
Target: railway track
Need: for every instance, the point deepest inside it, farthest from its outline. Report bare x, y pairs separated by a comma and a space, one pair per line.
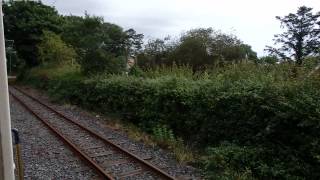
108, 159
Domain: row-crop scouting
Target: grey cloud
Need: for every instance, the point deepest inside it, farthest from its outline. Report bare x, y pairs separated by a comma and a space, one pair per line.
77, 7
253, 21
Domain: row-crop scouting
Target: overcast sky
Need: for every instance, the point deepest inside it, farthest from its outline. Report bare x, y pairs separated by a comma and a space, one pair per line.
253, 21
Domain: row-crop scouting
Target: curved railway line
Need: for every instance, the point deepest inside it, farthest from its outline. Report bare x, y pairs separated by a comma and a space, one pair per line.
105, 156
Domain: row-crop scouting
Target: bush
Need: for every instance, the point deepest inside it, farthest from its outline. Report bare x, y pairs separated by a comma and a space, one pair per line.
136, 71
274, 116
53, 49
230, 161
268, 60
100, 61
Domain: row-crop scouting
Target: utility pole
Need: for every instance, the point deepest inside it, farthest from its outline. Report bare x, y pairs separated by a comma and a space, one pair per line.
6, 152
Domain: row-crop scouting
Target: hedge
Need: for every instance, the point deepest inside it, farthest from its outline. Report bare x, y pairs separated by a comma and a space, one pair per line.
283, 119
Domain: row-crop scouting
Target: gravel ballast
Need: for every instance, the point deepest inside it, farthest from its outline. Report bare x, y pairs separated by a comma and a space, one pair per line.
158, 157
43, 154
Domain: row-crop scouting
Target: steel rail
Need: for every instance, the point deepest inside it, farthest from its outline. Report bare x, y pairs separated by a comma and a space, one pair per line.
133, 156
66, 140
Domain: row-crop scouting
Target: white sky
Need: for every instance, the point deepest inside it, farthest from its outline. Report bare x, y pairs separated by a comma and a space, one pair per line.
253, 21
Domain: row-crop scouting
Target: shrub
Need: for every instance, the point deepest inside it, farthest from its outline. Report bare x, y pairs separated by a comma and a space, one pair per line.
53, 49
136, 71
276, 117
247, 162
163, 135
101, 61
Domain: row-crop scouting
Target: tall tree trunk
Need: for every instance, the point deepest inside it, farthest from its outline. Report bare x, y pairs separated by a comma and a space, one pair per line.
299, 61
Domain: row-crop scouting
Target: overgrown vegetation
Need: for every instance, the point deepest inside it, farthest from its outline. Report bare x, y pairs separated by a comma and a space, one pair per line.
263, 110
200, 49
252, 118
24, 23
53, 50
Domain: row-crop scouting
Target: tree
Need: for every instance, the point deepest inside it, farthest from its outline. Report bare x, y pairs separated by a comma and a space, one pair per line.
157, 46
91, 32
301, 37
24, 22
205, 47
192, 51
156, 52
100, 45
53, 49
249, 53
133, 42
268, 60
101, 61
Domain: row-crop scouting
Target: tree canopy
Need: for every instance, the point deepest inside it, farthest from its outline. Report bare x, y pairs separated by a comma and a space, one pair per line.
199, 48
24, 23
53, 49
301, 36
100, 46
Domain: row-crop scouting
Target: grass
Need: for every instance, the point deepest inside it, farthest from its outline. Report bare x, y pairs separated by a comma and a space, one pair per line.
55, 71
180, 151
